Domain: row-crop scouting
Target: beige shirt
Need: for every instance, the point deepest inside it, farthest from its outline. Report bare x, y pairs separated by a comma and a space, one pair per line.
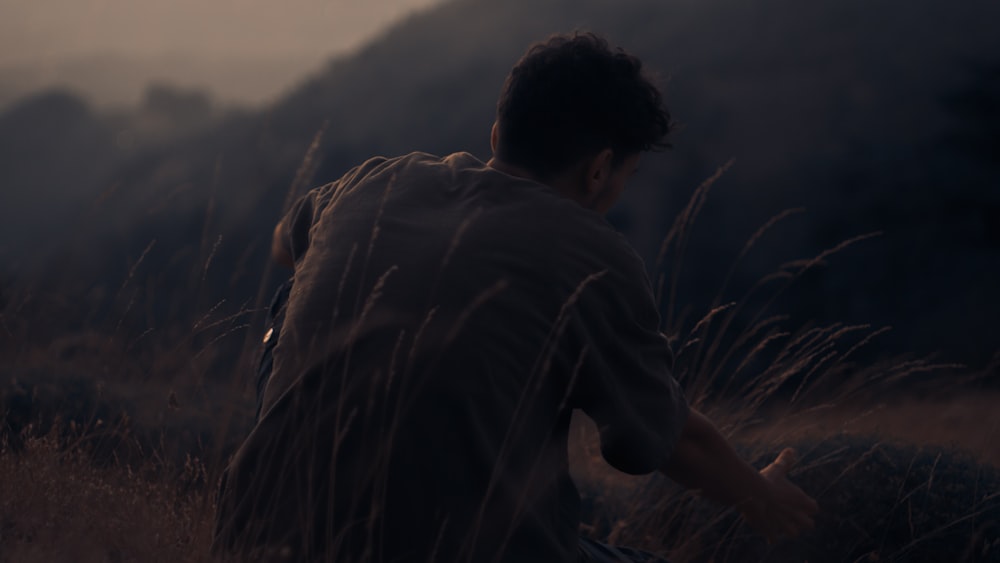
446, 319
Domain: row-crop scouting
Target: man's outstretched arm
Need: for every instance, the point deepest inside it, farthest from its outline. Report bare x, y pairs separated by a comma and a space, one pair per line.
704, 460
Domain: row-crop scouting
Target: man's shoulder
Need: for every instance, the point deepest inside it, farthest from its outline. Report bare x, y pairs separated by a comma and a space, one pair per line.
526, 210
417, 163
457, 159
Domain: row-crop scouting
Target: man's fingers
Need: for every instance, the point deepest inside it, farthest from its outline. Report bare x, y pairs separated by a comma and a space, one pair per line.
791, 526
786, 460
803, 522
809, 504
790, 511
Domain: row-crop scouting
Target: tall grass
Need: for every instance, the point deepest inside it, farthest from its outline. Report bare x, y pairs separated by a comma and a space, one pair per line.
102, 429
56, 504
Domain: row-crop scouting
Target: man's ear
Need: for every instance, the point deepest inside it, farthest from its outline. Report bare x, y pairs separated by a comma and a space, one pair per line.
599, 170
494, 137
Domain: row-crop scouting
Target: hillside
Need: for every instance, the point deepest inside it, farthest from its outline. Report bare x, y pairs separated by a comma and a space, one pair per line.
871, 115
118, 81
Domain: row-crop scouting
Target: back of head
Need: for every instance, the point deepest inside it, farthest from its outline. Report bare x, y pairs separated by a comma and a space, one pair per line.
572, 96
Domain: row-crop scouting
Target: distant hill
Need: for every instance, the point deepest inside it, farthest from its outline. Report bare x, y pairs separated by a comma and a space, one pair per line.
871, 114
117, 81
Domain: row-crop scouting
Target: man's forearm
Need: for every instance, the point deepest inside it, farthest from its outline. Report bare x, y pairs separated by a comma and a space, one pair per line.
704, 460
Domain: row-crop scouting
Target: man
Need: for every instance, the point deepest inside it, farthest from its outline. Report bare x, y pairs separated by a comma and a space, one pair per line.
447, 317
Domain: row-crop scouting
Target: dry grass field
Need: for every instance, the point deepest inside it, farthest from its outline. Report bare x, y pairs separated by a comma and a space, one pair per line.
922, 470
112, 442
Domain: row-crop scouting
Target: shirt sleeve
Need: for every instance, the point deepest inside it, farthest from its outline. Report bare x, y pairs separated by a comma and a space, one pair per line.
297, 224
625, 382
298, 221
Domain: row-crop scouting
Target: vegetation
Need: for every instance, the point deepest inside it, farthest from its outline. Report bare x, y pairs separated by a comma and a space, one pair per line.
119, 463
57, 505
128, 332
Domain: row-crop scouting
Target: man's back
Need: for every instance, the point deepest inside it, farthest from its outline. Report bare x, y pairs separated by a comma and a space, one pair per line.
445, 321
446, 318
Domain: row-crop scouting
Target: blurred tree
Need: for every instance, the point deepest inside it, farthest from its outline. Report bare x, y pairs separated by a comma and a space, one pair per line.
183, 108
53, 150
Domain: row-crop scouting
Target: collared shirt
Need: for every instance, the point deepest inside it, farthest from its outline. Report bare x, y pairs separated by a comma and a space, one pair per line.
446, 319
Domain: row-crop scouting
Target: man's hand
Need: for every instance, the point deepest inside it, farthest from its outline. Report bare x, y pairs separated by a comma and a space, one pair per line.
784, 510
704, 460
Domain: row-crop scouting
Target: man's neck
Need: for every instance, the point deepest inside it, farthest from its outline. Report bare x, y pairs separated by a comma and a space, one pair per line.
513, 170
563, 183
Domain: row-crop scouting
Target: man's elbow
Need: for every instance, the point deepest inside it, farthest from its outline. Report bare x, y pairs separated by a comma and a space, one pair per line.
283, 258
279, 250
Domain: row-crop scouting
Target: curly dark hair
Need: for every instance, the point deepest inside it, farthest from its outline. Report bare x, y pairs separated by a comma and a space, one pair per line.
570, 97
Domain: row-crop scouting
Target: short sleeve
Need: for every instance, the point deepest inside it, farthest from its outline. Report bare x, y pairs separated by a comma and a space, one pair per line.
299, 220
625, 382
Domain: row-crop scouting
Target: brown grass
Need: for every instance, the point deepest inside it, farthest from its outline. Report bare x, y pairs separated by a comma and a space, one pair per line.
57, 505
966, 421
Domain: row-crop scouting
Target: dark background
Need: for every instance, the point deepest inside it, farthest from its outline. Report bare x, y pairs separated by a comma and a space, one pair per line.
871, 115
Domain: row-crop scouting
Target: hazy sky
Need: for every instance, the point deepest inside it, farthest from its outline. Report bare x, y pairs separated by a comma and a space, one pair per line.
37, 31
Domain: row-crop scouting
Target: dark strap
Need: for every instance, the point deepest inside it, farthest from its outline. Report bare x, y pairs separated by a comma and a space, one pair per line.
275, 318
